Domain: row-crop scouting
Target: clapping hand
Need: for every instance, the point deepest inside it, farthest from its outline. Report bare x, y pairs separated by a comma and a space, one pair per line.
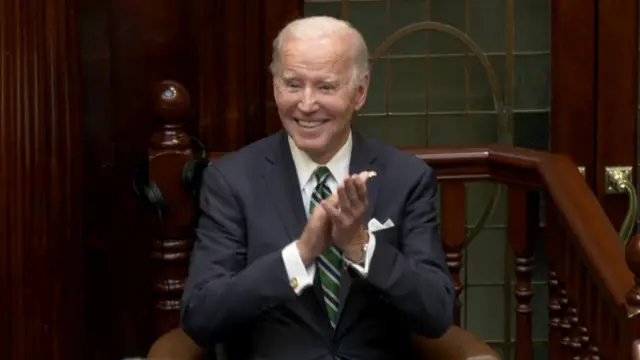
346, 210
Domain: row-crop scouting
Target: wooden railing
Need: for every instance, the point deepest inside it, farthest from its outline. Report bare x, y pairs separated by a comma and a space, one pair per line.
593, 298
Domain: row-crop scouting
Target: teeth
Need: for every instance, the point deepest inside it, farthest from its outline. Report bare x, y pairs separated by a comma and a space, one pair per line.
309, 124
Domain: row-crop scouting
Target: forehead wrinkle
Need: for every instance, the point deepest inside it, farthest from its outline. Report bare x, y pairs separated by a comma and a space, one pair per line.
333, 52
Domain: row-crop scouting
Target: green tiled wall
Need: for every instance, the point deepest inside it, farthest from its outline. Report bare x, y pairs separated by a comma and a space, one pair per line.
439, 95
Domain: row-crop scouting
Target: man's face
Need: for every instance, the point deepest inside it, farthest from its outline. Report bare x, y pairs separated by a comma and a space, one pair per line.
314, 94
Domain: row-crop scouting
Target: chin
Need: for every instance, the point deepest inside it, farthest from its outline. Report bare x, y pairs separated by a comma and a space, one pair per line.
311, 145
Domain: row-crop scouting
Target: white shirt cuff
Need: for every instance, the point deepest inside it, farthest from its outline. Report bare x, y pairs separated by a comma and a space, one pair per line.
363, 269
299, 277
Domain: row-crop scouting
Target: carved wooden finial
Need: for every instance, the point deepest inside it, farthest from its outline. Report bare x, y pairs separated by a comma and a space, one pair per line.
632, 256
174, 172
171, 101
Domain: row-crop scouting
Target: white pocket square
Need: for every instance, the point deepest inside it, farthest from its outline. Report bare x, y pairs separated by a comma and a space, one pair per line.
374, 225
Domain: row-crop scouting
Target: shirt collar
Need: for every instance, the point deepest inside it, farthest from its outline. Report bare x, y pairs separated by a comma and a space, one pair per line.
338, 165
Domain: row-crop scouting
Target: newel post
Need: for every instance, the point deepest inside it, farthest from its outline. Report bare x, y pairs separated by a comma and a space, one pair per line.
168, 183
632, 257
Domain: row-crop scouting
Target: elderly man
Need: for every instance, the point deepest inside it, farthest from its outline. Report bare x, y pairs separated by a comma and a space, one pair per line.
281, 269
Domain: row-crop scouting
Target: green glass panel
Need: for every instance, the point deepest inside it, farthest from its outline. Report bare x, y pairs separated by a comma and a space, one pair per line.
403, 13
485, 258
394, 130
462, 130
370, 18
407, 85
531, 82
532, 130
377, 96
488, 24
532, 27
485, 312
450, 13
481, 94
479, 195
447, 84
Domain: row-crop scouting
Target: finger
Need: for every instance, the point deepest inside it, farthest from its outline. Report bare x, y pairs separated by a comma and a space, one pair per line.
361, 186
346, 207
351, 188
340, 218
337, 216
330, 208
343, 196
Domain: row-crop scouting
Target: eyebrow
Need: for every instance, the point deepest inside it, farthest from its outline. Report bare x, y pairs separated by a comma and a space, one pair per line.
290, 76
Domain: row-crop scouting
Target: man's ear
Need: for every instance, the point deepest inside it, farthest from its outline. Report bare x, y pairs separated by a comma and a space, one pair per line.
361, 92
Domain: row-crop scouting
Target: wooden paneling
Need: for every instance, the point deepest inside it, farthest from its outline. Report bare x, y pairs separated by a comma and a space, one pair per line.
127, 48
41, 258
573, 55
617, 106
594, 82
231, 78
235, 90
219, 51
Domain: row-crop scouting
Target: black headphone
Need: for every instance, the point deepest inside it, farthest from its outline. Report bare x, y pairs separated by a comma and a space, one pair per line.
193, 169
148, 191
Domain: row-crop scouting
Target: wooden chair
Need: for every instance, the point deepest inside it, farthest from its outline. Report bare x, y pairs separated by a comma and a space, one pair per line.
455, 344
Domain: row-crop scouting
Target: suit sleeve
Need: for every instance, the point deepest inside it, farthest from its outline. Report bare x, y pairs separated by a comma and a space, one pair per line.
222, 293
414, 277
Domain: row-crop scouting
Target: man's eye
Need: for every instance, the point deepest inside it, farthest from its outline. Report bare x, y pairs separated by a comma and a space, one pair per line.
327, 87
293, 85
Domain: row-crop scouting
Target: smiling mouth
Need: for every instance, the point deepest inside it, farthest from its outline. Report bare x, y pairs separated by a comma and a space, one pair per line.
309, 124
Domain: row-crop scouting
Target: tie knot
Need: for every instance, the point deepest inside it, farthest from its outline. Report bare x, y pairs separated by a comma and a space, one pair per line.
321, 174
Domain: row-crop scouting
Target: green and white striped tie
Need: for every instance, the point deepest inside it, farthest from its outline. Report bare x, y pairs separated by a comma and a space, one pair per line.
330, 261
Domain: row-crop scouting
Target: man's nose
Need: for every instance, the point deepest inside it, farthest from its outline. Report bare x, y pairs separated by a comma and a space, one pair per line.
308, 101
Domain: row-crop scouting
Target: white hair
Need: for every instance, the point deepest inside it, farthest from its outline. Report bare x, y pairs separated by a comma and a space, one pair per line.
317, 27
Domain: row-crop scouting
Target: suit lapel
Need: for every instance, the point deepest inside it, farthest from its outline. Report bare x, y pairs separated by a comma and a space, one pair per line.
283, 189
363, 158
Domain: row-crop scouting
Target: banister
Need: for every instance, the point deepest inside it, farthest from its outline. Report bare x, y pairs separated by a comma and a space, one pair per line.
590, 224
577, 203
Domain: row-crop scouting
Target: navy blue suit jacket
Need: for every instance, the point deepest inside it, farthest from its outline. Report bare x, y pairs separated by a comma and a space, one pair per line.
238, 292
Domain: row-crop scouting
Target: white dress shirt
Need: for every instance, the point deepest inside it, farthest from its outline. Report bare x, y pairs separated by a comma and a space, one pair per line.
301, 277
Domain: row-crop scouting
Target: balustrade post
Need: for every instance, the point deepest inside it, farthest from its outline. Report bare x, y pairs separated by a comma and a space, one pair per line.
565, 325
454, 233
169, 182
555, 309
584, 343
575, 335
552, 236
523, 232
